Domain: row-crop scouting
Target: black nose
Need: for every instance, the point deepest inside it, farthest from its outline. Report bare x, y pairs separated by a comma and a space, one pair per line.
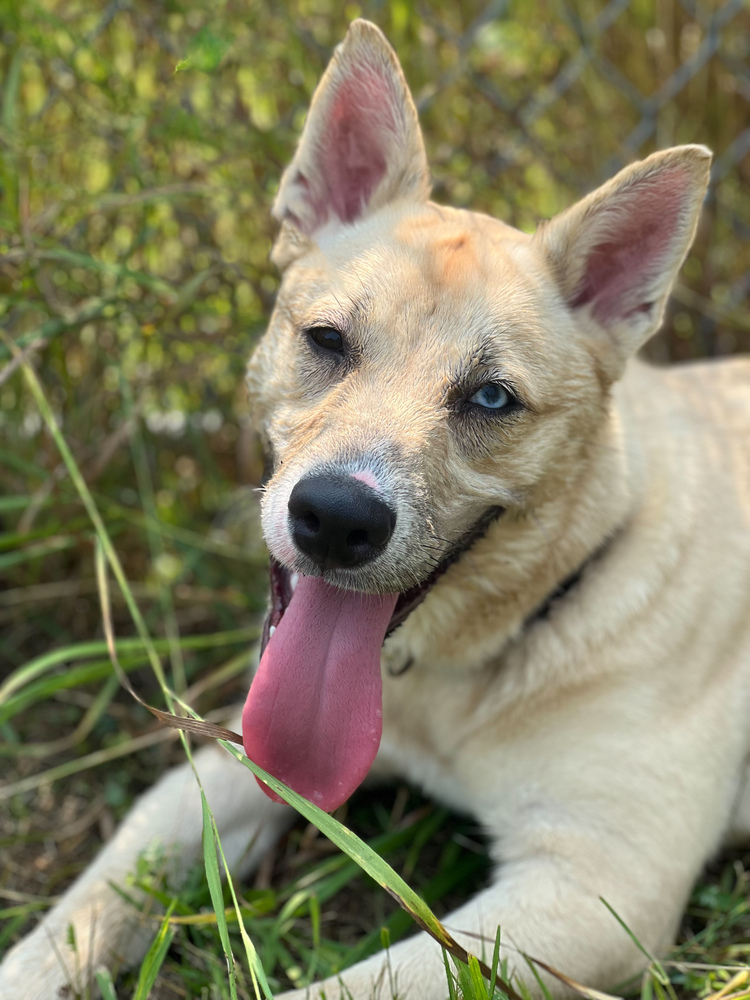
338, 521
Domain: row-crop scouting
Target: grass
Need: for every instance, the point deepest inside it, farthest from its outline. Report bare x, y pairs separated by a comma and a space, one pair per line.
134, 234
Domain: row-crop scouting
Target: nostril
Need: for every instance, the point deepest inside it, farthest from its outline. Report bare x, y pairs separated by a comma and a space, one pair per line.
310, 521
338, 521
357, 538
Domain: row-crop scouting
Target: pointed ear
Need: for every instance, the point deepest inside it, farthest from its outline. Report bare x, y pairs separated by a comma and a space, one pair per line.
616, 253
361, 146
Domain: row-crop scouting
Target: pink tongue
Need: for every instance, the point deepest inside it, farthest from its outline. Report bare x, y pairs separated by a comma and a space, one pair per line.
313, 717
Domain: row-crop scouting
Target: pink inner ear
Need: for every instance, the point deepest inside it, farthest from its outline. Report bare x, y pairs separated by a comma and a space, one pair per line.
354, 149
620, 271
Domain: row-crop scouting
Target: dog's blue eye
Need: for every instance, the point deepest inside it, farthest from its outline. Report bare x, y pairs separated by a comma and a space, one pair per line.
492, 396
327, 338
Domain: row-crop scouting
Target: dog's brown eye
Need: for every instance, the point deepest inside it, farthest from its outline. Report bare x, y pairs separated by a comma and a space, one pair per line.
327, 338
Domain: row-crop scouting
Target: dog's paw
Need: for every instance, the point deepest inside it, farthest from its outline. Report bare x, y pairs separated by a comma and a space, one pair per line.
367, 981
31, 974
410, 970
336, 989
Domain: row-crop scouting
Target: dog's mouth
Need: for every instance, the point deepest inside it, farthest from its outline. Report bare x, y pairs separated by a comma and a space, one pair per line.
313, 717
283, 581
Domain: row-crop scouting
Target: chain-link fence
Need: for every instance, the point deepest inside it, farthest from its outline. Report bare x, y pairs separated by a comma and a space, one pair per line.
627, 78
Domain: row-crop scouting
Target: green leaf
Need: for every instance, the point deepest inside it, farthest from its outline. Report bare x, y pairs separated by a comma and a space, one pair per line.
207, 49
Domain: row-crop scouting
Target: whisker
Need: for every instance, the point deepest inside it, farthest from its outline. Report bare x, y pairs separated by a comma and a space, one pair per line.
432, 562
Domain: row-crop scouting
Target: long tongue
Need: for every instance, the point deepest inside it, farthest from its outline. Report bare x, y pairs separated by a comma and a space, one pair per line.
313, 717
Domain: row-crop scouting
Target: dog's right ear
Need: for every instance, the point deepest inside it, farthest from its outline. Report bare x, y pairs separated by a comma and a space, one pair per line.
616, 253
360, 149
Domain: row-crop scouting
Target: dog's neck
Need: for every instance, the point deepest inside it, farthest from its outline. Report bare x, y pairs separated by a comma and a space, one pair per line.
509, 579
567, 585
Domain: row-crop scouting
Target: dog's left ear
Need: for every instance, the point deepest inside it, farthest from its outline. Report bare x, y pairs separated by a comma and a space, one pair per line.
616, 253
361, 146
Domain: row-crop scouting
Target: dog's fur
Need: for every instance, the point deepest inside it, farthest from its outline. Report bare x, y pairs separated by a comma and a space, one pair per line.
598, 731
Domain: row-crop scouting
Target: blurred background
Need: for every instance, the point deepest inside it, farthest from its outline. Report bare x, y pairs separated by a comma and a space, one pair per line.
141, 144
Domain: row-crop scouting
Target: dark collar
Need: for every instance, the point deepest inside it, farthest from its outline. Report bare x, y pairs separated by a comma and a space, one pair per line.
542, 610
569, 583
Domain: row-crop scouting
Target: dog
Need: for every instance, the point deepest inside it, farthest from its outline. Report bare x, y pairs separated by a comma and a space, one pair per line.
549, 539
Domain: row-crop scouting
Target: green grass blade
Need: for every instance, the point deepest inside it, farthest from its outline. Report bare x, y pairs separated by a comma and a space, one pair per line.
106, 986
11, 461
544, 989
255, 965
56, 326
120, 271
79, 764
657, 968
155, 539
211, 863
91, 716
360, 852
91, 509
315, 917
89, 650
155, 958
478, 985
495, 962
9, 505
47, 687
8, 116
39, 550
450, 976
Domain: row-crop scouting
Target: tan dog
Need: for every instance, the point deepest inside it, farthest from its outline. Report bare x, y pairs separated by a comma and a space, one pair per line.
458, 443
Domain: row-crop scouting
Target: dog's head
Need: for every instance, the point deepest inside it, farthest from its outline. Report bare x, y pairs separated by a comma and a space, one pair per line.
424, 371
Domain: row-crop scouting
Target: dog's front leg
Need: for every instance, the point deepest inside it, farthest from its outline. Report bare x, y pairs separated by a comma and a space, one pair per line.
106, 928
540, 910
558, 860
